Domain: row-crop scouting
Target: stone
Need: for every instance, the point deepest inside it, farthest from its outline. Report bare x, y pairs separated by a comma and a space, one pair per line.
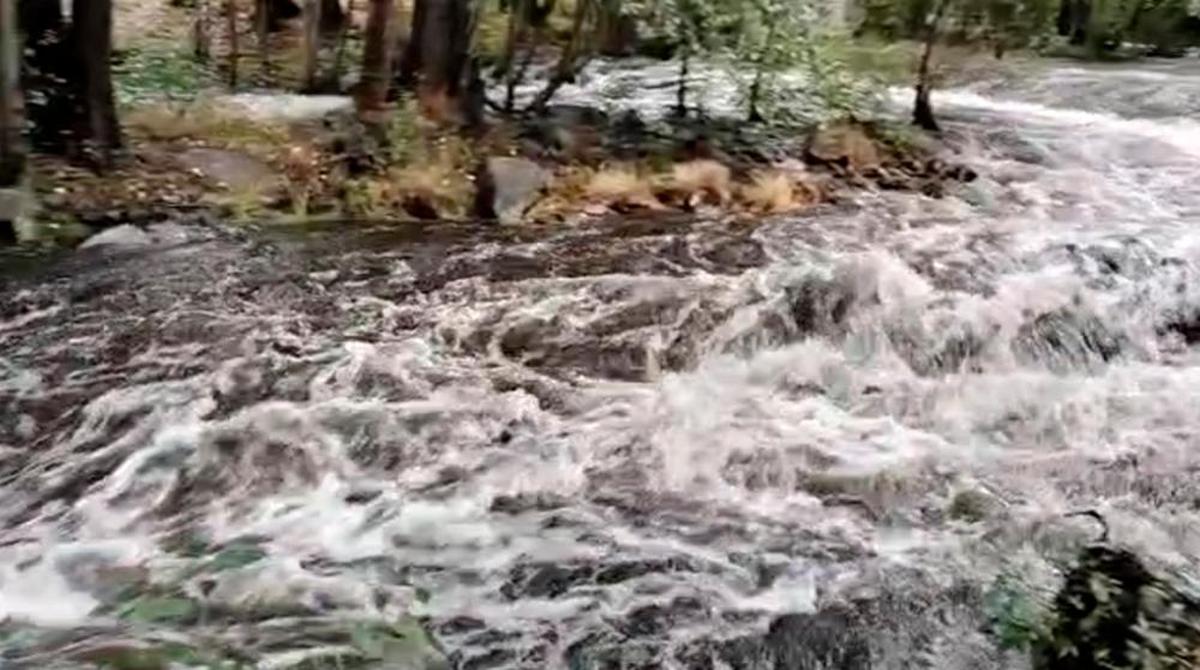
125, 236
829, 639
508, 187
847, 144
229, 167
973, 505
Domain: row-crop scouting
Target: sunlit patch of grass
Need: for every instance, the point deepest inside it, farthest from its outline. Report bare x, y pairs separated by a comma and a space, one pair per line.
169, 122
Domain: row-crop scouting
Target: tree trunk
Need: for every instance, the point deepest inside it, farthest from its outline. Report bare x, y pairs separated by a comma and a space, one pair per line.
573, 57
312, 44
682, 86
439, 54
339, 57
922, 108
377, 57
48, 66
235, 49
332, 16
99, 131
201, 38
618, 32
755, 115
262, 36
12, 123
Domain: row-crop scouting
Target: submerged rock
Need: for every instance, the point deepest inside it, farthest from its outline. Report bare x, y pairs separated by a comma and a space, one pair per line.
126, 235
826, 640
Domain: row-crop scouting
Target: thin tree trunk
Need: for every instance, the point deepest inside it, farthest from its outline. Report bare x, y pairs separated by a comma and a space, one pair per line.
235, 50
201, 39
48, 67
922, 107
344, 36
377, 57
12, 123
685, 67
92, 29
518, 28
755, 116
12, 143
312, 44
262, 36
410, 64
570, 61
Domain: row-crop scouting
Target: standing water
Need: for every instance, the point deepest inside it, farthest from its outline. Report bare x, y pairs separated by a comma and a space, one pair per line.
637, 445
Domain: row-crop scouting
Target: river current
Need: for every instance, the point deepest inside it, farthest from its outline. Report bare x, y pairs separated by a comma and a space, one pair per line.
636, 445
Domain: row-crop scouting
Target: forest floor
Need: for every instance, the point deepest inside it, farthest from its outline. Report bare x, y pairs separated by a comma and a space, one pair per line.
264, 154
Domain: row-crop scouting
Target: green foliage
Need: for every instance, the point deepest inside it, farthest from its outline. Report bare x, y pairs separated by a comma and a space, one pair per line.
1111, 613
1015, 617
403, 133
159, 72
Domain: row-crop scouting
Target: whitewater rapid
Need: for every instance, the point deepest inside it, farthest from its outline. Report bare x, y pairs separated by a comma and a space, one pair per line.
644, 446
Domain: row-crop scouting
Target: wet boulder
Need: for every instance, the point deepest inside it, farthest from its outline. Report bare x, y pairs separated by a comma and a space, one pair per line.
826, 640
508, 187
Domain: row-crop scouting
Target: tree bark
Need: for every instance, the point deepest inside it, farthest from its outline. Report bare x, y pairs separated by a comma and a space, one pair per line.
12, 124
201, 38
235, 49
332, 16
681, 89
262, 36
48, 67
339, 57
922, 107
98, 131
377, 57
312, 44
438, 55
573, 58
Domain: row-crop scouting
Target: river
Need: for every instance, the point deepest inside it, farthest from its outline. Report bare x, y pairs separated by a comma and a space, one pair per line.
639, 445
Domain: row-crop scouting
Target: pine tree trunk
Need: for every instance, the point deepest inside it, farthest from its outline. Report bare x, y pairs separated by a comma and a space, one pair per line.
235, 49
312, 44
99, 131
262, 36
439, 54
12, 124
573, 57
377, 57
201, 39
332, 16
922, 107
49, 64
682, 86
339, 57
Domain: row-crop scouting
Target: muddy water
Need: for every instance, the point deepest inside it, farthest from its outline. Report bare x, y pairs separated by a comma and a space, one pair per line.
647, 444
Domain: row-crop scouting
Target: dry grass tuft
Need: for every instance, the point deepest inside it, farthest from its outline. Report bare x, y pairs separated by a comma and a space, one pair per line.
621, 187
707, 180
769, 193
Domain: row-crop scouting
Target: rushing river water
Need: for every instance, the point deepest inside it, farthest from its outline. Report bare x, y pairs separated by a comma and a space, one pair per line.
639, 445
